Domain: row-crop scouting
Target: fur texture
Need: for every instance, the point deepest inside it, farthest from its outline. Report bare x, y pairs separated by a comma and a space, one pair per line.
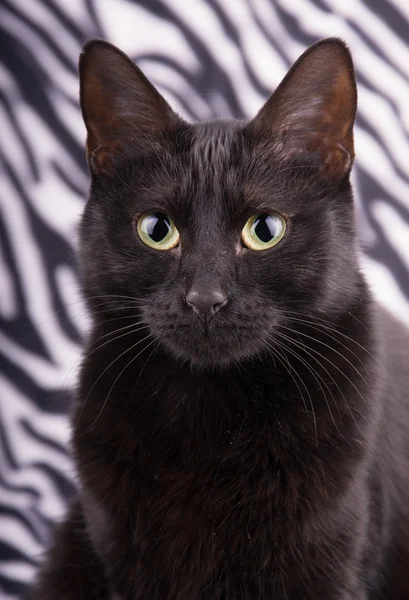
261, 453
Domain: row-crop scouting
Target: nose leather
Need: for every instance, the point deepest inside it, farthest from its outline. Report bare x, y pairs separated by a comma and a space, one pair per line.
206, 303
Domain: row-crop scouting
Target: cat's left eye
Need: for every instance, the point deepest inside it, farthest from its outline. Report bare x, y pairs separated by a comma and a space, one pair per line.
158, 231
263, 231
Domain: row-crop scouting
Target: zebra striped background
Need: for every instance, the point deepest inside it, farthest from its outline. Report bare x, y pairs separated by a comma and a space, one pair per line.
210, 58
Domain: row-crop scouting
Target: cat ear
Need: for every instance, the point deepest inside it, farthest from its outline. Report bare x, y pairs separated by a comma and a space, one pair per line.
314, 108
120, 107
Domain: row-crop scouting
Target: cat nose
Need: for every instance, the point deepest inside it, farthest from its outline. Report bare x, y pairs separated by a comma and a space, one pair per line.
206, 303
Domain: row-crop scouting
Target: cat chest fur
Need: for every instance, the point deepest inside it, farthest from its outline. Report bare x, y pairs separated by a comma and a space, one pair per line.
213, 497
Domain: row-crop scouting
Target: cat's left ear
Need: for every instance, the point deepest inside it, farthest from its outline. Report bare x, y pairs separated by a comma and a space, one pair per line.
314, 108
120, 107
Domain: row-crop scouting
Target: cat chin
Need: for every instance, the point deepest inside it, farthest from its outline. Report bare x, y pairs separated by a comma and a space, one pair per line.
220, 345
211, 356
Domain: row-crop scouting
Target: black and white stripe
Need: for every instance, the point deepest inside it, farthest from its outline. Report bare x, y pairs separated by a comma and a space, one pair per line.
210, 58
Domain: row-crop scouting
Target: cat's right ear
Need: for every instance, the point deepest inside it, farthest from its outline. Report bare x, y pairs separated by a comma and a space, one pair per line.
120, 106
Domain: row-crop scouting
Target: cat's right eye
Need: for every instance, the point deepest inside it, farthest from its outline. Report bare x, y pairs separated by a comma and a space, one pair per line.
158, 231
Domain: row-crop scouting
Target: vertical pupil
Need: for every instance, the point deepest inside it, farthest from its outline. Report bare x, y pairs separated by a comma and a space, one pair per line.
157, 226
265, 228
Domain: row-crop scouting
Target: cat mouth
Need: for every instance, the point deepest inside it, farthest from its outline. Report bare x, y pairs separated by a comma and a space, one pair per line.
208, 346
222, 340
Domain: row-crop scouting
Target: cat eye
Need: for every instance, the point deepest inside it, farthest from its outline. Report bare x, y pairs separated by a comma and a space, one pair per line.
158, 231
263, 231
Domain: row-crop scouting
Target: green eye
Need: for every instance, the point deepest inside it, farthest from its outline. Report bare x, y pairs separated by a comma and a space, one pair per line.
263, 231
158, 231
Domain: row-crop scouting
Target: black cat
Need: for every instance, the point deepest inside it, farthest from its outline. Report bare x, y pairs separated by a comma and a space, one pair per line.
241, 427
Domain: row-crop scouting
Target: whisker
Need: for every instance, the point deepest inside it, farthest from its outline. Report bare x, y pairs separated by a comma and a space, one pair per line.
329, 347
289, 368
323, 330
108, 305
117, 378
309, 349
325, 325
302, 346
105, 370
84, 355
318, 378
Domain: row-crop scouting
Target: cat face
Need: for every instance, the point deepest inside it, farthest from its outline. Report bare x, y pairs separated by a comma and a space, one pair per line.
219, 236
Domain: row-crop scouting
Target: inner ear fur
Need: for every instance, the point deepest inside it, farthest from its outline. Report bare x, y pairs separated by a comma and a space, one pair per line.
314, 107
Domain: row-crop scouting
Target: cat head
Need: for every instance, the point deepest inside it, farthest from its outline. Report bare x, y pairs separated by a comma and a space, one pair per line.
217, 235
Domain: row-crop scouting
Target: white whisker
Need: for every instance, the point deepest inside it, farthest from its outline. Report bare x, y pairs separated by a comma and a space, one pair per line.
117, 378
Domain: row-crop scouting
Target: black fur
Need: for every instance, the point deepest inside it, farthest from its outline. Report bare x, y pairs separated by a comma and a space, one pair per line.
262, 454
